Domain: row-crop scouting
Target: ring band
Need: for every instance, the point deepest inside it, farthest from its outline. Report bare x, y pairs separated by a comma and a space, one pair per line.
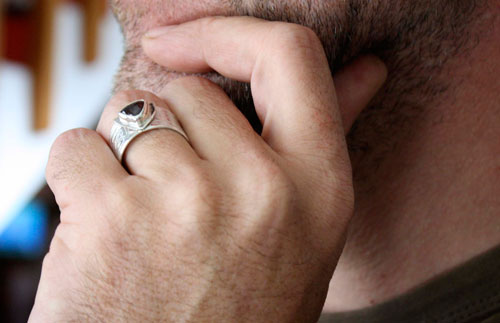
136, 118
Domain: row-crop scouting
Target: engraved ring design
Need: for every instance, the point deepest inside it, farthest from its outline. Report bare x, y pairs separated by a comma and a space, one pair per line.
136, 118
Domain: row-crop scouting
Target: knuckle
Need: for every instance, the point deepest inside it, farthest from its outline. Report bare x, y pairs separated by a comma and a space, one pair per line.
192, 197
204, 96
64, 148
69, 138
196, 185
201, 92
207, 22
271, 185
207, 25
271, 172
293, 38
124, 196
193, 174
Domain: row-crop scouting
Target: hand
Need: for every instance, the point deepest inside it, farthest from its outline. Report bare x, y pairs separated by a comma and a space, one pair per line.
233, 226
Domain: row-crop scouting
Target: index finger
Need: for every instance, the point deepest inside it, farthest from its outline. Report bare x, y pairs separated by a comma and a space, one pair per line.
291, 82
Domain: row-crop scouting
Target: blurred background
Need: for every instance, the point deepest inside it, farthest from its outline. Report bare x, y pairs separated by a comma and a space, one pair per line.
57, 60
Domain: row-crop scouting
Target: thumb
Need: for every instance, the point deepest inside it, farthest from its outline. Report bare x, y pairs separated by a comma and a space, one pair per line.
356, 84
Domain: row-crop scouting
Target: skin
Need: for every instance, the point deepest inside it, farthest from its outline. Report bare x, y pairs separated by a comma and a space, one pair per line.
437, 210
220, 228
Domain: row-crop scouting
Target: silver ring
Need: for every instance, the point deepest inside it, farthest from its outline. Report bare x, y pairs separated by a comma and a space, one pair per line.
136, 118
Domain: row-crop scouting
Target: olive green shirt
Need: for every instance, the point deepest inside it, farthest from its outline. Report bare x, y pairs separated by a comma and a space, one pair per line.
467, 294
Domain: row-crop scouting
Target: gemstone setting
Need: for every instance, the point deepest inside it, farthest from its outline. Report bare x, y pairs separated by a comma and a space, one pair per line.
134, 109
137, 115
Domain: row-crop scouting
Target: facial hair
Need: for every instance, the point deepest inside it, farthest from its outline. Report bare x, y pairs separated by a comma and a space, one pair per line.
416, 40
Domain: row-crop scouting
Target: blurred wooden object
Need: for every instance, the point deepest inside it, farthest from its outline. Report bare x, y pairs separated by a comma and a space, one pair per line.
93, 12
42, 62
2, 29
30, 40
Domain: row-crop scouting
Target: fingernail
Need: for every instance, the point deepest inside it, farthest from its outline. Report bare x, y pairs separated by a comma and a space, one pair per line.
158, 32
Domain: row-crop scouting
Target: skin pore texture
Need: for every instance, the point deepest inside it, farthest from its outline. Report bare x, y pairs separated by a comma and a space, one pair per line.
425, 153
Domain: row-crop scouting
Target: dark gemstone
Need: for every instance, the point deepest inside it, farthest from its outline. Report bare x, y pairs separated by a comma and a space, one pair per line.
134, 109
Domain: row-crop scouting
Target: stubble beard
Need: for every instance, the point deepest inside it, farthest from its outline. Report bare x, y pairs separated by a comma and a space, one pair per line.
416, 39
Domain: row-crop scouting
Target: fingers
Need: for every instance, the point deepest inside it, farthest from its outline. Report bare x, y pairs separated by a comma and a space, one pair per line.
218, 131
291, 83
80, 164
356, 84
154, 154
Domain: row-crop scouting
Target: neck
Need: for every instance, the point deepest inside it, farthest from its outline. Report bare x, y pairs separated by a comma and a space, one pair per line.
433, 202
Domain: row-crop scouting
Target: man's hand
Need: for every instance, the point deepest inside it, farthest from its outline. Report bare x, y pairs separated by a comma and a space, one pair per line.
229, 227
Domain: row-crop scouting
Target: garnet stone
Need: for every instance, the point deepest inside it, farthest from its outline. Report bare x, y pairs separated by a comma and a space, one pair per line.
133, 109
